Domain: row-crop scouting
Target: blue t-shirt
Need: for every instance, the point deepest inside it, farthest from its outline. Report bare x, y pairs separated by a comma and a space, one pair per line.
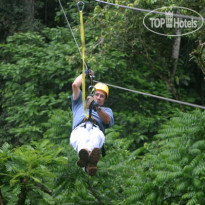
79, 114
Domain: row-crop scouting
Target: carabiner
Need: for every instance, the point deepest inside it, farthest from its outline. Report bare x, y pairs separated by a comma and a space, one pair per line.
83, 4
91, 90
92, 77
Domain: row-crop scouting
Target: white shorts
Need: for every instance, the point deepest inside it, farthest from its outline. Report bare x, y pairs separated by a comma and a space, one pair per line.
86, 136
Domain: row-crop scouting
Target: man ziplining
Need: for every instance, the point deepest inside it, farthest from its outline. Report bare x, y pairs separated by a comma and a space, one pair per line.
87, 136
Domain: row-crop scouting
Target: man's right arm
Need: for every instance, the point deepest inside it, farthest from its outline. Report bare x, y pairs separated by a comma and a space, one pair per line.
76, 87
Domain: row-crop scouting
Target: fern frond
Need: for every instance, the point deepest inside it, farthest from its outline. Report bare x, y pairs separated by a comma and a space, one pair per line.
192, 201
199, 145
181, 186
193, 163
200, 169
162, 176
189, 195
194, 151
134, 197
171, 154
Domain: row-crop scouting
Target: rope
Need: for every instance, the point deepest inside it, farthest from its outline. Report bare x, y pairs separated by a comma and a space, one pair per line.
69, 26
152, 11
155, 96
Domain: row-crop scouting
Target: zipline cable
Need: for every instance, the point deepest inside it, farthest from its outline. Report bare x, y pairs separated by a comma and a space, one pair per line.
151, 11
69, 26
155, 96
126, 89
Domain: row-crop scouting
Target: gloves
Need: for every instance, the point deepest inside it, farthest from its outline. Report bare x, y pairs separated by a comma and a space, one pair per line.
91, 104
89, 73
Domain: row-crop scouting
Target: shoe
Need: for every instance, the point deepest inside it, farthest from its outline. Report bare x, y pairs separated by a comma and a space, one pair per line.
83, 158
91, 170
91, 167
94, 156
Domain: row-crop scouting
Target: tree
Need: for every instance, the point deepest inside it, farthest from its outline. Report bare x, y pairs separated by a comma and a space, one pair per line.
27, 171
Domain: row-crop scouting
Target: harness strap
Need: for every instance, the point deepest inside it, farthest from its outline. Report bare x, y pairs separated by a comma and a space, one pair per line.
83, 58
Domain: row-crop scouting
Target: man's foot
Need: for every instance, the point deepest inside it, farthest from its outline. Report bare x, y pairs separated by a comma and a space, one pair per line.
91, 170
92, 165
83, 158
94, 156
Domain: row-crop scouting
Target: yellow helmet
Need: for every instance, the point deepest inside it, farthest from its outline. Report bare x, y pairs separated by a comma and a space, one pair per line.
102, 87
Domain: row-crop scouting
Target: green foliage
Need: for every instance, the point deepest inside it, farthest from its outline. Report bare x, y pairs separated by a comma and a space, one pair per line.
37, 80
29, 169
151, 156
172, 171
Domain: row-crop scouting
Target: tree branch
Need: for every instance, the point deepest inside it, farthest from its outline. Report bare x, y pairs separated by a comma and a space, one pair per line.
23, 193
44, 189
198, 54
175, 52
1, 198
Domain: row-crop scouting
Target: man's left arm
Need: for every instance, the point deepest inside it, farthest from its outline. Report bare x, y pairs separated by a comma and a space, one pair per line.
103, 116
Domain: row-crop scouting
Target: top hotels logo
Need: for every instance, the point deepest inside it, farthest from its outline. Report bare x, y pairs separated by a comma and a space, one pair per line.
167, 20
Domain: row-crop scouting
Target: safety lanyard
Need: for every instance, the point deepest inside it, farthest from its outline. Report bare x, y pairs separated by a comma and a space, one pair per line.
83, 56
